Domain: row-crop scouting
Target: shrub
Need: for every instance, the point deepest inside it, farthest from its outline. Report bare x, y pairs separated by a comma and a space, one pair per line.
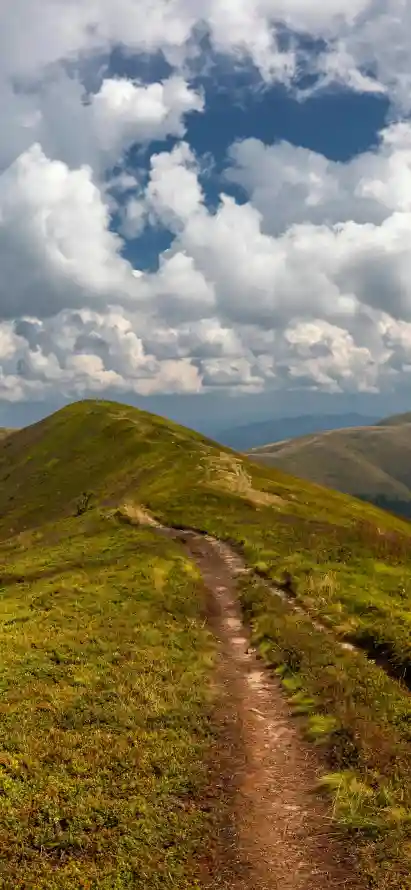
83, 503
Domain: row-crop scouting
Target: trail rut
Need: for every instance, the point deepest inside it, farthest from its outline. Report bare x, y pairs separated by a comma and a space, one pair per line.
281, 836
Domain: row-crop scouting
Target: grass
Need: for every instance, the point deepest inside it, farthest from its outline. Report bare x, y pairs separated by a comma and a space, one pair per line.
351, 567
105, 708
363, 720
350, 562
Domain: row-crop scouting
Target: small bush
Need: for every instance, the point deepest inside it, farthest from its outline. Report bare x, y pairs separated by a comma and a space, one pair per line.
320, 728
83, 503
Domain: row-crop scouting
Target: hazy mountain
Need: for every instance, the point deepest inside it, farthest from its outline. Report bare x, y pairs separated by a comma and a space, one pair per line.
250, 435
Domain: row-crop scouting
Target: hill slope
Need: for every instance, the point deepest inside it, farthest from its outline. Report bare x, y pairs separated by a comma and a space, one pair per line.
395, 419
101, 770
373, 463
122, 454
105, 710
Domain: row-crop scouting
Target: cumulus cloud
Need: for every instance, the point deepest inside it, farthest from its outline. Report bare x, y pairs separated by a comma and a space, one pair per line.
320, 285
80, 352
133, 218
305, 283
56, 247
95, 128
359, 36
74, 28
124, 112
239, 301
174, 193
290, 184
181, 290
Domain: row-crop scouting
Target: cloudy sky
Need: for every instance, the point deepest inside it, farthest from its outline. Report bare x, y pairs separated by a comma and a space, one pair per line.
205, 205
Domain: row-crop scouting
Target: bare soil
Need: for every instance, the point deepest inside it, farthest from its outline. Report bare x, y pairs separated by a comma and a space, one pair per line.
277, 832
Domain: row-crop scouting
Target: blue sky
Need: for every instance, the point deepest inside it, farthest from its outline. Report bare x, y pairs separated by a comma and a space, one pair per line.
205, 207
337, 124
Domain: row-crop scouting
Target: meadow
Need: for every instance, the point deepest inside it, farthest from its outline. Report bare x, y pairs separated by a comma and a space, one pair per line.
103, 623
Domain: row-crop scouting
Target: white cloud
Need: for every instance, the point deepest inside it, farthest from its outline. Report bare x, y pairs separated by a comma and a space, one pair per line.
72, 28
174, 194
76, 352
238, 301
290, 184
92, 128
124, 112
133, 218
358, 34
56, 248
309, 283
380, 41
180, 290
327, 356
338, 66
306, 283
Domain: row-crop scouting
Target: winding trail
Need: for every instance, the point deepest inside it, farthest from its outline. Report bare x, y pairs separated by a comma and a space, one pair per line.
281, 836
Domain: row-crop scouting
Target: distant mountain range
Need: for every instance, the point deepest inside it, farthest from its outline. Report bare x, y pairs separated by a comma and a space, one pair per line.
251, 435
370, 462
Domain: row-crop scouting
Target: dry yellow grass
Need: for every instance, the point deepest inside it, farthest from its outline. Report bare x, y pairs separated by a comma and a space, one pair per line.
229, 473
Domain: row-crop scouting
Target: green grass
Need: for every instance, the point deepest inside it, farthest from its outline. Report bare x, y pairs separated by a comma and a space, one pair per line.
353, 578
361, 717
105, 710
351, 564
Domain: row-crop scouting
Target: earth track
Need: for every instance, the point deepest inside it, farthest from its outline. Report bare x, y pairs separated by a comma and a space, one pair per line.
279, 834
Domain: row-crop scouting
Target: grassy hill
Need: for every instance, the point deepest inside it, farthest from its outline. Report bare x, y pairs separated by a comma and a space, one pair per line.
5, 432
104, 700
106, 670
373, 463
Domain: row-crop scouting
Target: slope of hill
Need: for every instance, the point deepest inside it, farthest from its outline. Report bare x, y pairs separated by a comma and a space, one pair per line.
395, 419
251, 435
104, 698
372, 463
107, 666
5, 432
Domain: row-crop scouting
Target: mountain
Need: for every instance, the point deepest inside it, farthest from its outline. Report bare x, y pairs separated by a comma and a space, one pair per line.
251, 435
372, 463
118, 701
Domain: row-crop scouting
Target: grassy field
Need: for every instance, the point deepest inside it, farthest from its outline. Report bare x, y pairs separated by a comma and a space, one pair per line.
361, 717
105, 710
351, 564
369, 462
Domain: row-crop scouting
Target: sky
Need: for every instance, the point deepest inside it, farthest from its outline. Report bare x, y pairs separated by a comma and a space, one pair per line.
205, 207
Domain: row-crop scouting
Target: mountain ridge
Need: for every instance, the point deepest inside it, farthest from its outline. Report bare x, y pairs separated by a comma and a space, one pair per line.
248, 436
369, 462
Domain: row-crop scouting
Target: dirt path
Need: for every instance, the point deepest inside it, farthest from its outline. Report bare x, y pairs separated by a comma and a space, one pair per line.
281, 836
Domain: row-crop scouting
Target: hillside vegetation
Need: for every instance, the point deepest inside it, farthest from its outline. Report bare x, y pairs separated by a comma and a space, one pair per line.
104, 700
106, 670
372, 463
